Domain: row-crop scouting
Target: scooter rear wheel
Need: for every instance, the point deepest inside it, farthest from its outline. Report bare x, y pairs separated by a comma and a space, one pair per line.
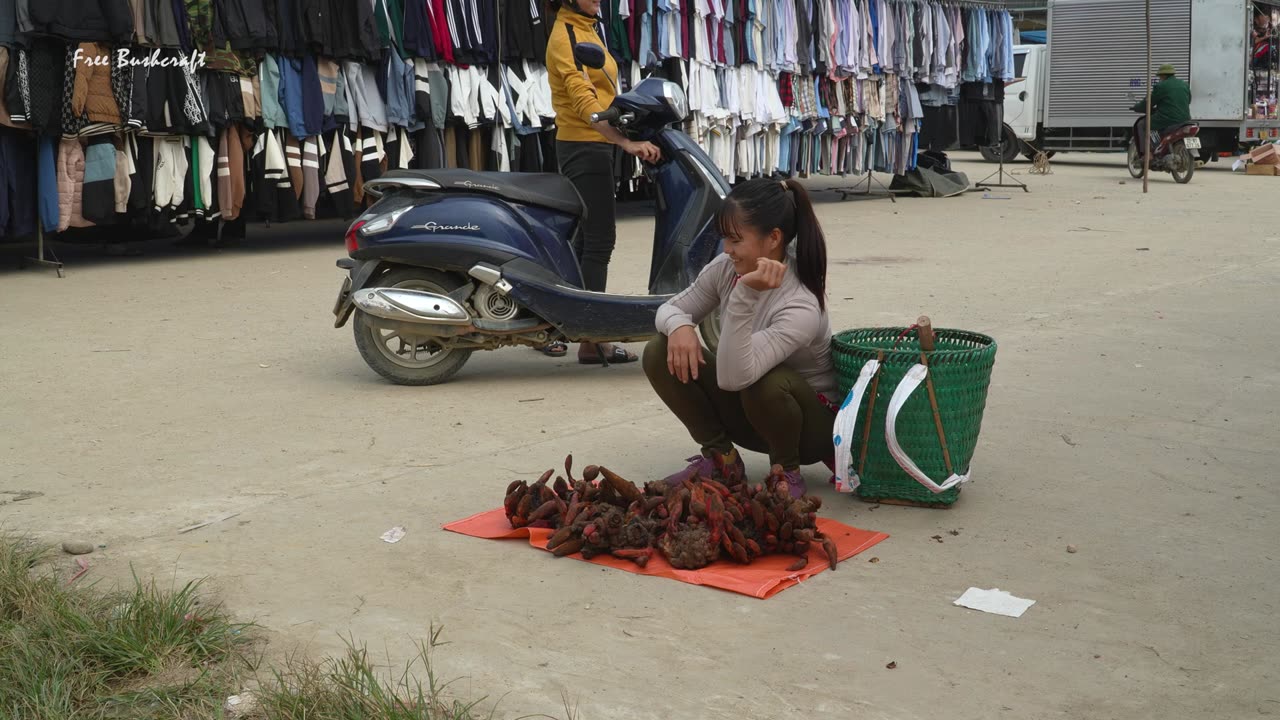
1134, 160
415, 360
1182, 163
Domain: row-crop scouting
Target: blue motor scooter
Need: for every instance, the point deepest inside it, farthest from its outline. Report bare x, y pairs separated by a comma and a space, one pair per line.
448, 262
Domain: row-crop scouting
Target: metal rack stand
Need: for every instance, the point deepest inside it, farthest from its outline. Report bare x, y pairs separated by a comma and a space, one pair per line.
40, 259
1000, 174
866, 194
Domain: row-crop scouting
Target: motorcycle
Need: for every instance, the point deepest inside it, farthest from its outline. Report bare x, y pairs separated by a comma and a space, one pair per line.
447, 262
1176, 152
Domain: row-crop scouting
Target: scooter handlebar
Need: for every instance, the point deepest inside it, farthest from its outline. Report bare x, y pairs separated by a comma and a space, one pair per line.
610, 116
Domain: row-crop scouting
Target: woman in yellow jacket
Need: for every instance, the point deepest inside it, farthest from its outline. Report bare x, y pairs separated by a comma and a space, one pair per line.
585, 150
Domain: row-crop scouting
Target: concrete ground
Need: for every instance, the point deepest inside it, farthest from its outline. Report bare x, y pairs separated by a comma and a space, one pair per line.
1132, 414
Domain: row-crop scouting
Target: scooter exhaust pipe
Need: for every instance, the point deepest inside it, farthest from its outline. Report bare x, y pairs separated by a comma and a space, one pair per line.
413, 306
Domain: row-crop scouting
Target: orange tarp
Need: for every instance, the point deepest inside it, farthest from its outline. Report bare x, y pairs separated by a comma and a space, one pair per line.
763, 578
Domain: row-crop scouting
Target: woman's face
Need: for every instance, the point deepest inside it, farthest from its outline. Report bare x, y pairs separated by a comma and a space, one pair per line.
590, 7
745, 245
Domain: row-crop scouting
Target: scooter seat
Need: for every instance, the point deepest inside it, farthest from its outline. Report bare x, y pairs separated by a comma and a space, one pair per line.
547, 190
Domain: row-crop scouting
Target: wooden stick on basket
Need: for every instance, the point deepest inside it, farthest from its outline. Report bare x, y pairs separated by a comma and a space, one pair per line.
924, 329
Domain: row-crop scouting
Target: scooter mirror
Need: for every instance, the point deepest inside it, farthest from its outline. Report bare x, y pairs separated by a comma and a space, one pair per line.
589, 54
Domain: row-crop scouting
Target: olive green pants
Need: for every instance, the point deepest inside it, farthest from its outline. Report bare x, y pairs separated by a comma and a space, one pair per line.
780, 414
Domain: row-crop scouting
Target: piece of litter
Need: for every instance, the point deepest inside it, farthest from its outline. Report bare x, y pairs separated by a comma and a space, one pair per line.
531, 400
937, 537
989, 196
874, 560
994, 601
1138, 365
394, 535
197, 526
1142, 249
1072, 549
84, 568
1067, 439
263, 365
892, 666
953, 533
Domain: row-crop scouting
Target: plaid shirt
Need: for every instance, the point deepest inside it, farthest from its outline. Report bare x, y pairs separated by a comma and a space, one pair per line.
785, 90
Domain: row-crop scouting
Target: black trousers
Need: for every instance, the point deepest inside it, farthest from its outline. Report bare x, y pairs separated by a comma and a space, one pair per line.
589, 166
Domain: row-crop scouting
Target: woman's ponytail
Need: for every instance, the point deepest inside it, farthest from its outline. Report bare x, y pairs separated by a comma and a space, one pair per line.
811, 245
766, 204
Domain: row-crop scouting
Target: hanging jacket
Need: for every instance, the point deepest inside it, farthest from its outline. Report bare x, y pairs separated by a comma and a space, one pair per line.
312, 98
231, 171
347, 25
290, 95
170, 173
273, 115
441, 29
98, 197
399, 76
161, 25
126, 169
18, 194
337, 173
418, 40
174, 100
82, 20
250, 94
275, 198
288, 18
246, 25
8, 81
70, 174
310, 176
525, 34
333, 88
50, 201
369, 107
41, 74
122, 91
93, 97
8, 22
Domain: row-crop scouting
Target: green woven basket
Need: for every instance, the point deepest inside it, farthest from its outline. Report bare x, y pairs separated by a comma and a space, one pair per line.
960, 367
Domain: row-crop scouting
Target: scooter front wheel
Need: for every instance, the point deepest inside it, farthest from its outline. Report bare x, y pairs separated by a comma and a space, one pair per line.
409, 359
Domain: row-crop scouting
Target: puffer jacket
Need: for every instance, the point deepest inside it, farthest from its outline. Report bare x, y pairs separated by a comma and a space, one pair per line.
92, 96
70, 174
80, 20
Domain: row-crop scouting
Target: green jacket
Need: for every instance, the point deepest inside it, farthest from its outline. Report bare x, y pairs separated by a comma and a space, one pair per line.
1171, 99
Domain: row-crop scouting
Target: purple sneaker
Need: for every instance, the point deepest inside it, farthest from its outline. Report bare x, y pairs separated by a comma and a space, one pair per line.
728, 467
791, 479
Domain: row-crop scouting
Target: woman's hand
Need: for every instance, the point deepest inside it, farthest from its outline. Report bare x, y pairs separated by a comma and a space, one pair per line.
768, 275
646, 151
684, 353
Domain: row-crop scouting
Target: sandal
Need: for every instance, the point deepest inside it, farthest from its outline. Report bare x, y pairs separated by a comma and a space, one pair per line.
605, 354
555, 349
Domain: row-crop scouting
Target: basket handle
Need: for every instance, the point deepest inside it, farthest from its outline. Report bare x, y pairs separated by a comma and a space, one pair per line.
912, 380
846, 422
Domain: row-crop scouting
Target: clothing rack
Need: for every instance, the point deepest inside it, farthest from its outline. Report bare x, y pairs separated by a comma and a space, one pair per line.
1000, 180
866, 194
40, 259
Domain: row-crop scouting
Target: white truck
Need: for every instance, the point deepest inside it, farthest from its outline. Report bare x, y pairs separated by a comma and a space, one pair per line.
1075, 92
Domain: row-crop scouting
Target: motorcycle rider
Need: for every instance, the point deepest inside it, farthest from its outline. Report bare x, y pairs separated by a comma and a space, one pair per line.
1170, 103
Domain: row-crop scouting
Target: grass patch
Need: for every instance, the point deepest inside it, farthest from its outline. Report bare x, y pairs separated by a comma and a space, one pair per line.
147, 653
79, 652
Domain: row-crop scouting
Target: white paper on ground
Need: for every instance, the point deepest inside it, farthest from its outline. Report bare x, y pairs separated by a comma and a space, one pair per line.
995, 601
393, 535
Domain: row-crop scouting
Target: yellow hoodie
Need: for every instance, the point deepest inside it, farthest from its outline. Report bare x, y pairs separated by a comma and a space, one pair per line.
575, 94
